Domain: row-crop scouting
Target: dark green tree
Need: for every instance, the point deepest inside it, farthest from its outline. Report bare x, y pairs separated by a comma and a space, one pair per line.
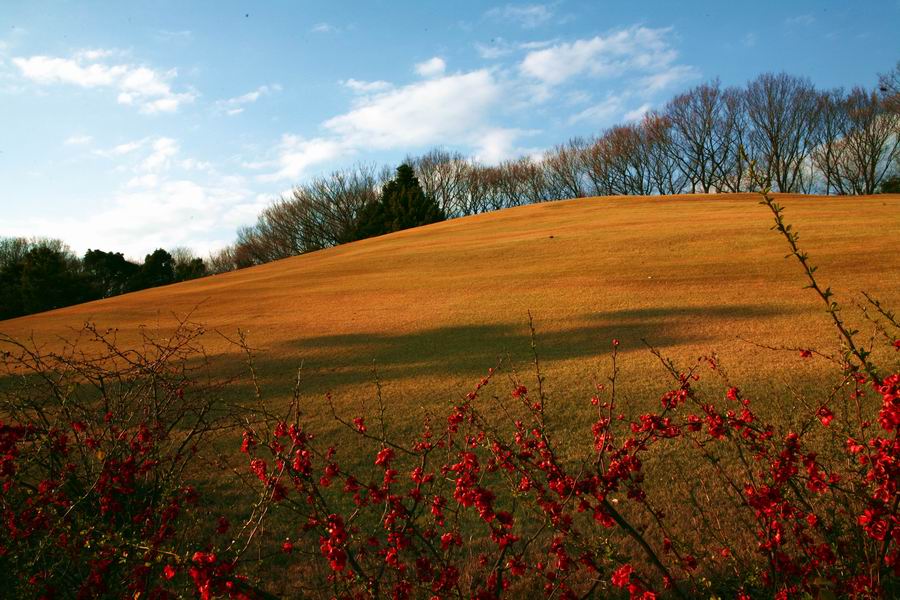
50, 279
405, 203
891, 185
158, 269
190, 269
110, 273
402, 205
11, 290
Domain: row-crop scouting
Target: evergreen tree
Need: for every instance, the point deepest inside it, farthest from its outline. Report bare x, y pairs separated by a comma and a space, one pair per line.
50, 280
110, 273
402, 205
190, 269
405, 203
158, 269
11, 290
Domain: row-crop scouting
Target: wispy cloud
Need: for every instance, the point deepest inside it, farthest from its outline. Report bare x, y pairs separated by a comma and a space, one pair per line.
454, 109
636, 49
324, 28
661, 80
167, 200
805, 20
147, 89
180, 35
296, 154
366, 87
607, 109
78, 140
236, 105
432, 67
528, 16
638, 113
499, 47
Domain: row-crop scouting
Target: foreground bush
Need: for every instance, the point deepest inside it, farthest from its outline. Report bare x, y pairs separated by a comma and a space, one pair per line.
484, 501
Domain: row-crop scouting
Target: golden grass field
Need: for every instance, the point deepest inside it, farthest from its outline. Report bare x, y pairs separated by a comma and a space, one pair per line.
435, 307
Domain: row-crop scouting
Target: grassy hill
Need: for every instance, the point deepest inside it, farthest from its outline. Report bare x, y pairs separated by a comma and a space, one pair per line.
436, 306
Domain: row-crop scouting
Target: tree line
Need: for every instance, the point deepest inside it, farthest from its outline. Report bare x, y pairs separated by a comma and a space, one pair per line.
800, 139
42, 274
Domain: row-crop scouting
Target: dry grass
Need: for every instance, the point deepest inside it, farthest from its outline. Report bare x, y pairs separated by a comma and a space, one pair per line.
435, 307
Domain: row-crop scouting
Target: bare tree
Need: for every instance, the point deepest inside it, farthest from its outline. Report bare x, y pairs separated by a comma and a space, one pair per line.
702, 135
870, 145
830, 129
563, 169
889, 86
663, 168
782, 112
442, 175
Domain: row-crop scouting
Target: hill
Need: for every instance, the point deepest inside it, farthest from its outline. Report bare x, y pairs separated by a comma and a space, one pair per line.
436, 306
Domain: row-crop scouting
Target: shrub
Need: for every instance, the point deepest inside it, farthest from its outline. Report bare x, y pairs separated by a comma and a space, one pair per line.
485, 500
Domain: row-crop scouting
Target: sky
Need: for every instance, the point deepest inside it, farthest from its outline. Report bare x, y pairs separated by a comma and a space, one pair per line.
128, 126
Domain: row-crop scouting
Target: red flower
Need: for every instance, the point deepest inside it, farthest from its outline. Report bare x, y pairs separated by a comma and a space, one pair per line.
825, 416
622, 576
169, 571
384, 457
222, 525
287, 547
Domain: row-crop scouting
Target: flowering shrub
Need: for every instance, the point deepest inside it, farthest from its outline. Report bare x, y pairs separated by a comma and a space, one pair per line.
92, 458
483, 501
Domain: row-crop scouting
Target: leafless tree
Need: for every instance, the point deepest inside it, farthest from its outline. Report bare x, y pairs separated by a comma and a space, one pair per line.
830, 129
563, 169
702, 121
870, 145
781, 110
663, 168
889, 86
442, 175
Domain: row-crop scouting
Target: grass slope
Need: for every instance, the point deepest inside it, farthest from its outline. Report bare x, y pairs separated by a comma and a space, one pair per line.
436, 306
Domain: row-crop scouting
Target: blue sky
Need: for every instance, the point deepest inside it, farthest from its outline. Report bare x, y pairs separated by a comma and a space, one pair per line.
130, 126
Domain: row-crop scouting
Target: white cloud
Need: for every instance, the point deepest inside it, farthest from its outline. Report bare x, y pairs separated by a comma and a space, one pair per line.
527, 16
235, 106
801, 20
627, 50
126, 148
152, 212
324, 28
447, 110
157, 207
181, 35
366, 87
500, 47
433, 67
440, 110
143, 181
638, 113
94, 54
140, 86
297, 154
78, 140
600, 113
159, 159
497, 144
664, 79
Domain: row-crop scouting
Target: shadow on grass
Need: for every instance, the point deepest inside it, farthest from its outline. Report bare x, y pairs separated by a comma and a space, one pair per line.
464, 350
